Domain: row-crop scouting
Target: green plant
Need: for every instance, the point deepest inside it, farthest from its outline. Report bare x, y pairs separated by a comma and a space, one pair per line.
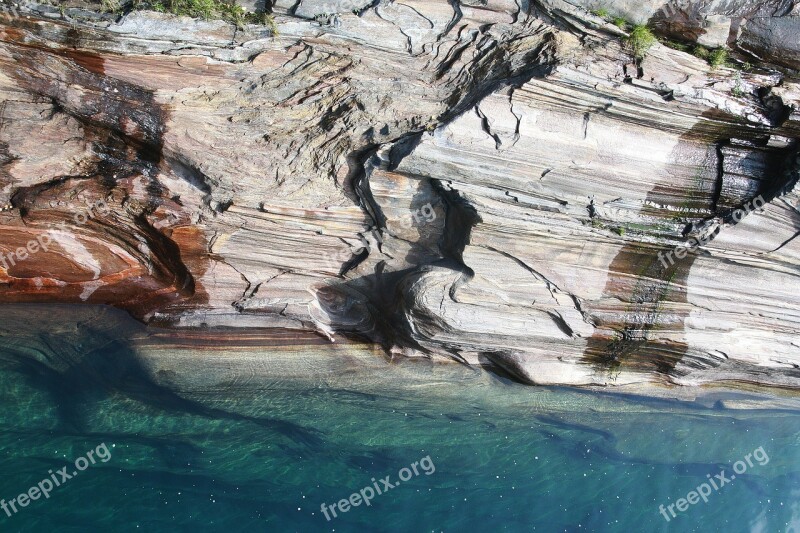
676, 45
620, 231
601, 12
111, 6
620, 23
227, 10
204, 9
718, 57
701, 52
235, 14
263, 19
640, 40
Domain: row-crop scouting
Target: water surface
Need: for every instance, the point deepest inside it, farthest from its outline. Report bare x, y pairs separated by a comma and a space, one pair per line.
250, 438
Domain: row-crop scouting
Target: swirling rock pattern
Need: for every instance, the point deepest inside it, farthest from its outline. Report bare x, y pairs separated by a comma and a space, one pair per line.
493, 182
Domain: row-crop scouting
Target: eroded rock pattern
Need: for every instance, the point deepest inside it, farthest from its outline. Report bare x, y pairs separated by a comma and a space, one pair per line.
493, 182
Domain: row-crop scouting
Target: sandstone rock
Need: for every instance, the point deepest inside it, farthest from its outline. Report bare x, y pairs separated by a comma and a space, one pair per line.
468, 181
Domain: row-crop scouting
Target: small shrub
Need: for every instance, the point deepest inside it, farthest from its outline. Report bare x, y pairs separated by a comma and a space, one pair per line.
263, 19
227, 10
620, 23
620, 231
110, 6
234, 13
718, 57
203, 9
640, 40
701, 52
601, 12
676, 45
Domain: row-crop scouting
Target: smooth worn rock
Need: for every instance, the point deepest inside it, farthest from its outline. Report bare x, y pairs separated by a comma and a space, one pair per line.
498, 185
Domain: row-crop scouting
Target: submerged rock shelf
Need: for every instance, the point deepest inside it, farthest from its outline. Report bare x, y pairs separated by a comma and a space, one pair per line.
496, 183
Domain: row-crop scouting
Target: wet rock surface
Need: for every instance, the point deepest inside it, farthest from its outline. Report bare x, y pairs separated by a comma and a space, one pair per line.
496, 183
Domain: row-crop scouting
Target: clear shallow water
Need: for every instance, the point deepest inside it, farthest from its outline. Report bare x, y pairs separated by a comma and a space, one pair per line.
258, 439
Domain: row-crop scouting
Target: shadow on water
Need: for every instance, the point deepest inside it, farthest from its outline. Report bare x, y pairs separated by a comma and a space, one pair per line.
81, 363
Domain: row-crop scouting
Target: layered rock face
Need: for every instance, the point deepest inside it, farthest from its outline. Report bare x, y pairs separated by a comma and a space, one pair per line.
492, 182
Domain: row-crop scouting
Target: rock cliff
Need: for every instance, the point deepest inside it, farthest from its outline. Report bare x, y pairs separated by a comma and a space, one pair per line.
501, 183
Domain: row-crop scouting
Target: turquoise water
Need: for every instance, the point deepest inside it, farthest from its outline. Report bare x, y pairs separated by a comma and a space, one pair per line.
246, 439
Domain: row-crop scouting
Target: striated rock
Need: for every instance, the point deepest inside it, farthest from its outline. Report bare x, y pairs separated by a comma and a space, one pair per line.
473, 181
